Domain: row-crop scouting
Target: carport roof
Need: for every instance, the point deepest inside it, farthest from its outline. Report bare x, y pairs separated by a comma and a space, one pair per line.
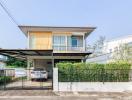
23, 53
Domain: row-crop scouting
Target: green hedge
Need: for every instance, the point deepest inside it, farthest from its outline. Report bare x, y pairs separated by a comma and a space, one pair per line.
82, 72
5, 79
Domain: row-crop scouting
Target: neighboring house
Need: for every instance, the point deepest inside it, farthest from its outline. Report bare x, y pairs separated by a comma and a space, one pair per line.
109, 48
113, 45
99, 59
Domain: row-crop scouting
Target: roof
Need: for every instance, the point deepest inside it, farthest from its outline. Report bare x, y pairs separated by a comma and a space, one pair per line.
26, 29
120, 38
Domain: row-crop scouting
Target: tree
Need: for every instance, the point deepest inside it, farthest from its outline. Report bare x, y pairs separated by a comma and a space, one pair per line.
16, 62
97, 46
124, 53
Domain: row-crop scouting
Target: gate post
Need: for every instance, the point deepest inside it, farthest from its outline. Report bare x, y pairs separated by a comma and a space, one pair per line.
55, 80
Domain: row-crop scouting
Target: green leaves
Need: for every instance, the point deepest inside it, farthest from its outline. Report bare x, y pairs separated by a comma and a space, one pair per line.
5, 79
16, 63
82, 72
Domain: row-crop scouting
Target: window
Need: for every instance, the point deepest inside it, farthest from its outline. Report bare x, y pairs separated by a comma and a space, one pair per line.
74, 42
59, 40
80, 41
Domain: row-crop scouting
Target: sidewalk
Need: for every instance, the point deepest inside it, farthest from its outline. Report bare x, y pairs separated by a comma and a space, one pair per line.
49, 95
64, 98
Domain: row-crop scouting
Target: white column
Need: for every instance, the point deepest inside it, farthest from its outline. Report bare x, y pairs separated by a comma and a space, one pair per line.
83, 43
28, 41
28, 67
29, 63
55, 80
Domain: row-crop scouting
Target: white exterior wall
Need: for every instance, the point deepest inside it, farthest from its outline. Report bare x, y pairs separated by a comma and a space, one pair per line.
95, 86
99, 59
116, 43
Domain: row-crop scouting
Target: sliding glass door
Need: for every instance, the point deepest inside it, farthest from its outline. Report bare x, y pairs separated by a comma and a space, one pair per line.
59, 43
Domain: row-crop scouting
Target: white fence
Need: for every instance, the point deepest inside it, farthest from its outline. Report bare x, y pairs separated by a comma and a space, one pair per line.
89, 86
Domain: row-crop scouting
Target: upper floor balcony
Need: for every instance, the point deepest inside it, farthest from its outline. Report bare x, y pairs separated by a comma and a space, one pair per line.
68, 44
68, 49
58, 42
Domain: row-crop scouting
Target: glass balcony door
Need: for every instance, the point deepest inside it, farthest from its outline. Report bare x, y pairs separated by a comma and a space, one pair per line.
77, 43
59, 43
74, 41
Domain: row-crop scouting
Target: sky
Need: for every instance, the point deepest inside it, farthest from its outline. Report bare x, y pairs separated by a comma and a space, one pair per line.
113, 18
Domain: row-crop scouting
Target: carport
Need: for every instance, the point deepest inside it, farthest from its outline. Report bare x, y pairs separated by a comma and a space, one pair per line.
24, 53
31, 56
39, 58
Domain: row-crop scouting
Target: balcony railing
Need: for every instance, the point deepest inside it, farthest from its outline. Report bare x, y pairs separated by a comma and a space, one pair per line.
68, 48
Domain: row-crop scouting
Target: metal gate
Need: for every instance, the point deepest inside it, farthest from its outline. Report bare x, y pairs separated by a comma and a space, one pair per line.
12, 79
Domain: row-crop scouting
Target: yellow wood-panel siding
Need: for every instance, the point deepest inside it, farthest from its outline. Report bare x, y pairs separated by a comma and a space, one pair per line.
43, 40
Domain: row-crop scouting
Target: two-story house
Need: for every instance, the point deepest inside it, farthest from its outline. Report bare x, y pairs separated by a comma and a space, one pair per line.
49, 45
67, 43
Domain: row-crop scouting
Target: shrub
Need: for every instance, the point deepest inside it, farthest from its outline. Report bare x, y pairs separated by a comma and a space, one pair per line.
92, 72
5, 79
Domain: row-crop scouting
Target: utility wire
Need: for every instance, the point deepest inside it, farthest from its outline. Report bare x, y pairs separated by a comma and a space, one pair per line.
8, 13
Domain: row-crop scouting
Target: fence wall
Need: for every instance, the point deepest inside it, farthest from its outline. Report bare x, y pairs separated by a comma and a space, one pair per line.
90, 86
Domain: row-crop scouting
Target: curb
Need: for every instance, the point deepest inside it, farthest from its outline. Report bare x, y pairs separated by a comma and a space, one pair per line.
27, 96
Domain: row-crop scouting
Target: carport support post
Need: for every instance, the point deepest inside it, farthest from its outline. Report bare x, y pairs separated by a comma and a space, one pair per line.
28, 68
52, 70
52, 61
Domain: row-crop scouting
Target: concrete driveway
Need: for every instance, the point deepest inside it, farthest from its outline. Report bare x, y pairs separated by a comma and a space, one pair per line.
29, 84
